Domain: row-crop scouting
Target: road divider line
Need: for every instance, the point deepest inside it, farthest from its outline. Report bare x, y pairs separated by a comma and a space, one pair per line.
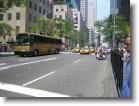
2, 64
77, 61
22, 64
38, 79
29, 91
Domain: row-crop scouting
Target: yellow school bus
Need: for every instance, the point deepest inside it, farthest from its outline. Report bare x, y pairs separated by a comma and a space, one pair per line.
29, 44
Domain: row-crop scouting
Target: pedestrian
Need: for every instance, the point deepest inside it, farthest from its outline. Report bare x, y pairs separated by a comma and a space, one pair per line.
125, 91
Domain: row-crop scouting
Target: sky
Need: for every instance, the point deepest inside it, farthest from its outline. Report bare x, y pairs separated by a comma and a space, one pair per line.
103, 9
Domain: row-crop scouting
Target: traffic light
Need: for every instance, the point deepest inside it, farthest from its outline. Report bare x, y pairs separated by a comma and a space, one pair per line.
110, 18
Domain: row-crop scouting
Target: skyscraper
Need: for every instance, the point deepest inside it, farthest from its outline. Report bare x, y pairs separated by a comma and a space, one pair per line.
91, 18
83, 9
123, 7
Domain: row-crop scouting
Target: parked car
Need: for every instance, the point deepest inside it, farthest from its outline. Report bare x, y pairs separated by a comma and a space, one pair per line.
85, 51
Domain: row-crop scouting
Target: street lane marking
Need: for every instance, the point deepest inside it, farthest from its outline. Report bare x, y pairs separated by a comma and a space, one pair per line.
38, 79
24, 59
29, 91
2, 64
22, 64
77, 61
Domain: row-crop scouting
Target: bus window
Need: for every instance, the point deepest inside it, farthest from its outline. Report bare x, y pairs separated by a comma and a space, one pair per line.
23, 39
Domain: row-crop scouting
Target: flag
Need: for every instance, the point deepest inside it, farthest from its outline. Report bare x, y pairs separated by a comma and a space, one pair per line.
47, 15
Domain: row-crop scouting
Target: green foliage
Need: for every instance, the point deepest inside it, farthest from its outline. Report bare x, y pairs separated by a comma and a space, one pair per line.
80, 37
5, 29
58, 27
93, 44
105, 27
6, 4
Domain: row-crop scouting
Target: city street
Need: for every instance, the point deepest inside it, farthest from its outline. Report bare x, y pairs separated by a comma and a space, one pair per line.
64, 75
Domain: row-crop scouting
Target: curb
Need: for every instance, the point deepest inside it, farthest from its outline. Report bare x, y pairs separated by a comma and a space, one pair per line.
112, 85
3, 54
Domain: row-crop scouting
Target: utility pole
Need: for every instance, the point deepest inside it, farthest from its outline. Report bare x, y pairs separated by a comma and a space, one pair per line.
115, 12
114, 16
114, 30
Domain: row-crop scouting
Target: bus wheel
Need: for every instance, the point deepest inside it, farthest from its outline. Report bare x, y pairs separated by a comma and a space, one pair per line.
56, 51
35, 53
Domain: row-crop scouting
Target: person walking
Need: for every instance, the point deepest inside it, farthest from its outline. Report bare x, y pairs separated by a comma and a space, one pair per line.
125, 91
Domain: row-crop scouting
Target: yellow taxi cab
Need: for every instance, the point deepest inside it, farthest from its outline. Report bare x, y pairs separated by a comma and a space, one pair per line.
85, 51
76, 50
92, 50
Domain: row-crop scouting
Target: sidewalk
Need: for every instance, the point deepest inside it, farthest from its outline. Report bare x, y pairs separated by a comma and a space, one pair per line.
112, 84
3, 54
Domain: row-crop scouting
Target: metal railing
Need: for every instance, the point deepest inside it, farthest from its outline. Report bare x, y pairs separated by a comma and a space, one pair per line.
117, 66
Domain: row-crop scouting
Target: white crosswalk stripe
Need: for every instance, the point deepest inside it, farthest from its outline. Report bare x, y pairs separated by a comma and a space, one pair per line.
29, 91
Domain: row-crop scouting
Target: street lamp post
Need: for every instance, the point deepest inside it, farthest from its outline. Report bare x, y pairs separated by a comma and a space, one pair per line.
115, 12
114, 31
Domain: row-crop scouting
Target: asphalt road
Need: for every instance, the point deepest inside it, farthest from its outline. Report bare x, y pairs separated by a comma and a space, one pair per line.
63, 75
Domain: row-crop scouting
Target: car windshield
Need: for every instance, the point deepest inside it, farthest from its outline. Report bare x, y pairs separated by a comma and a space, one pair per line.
85, 48
23, 39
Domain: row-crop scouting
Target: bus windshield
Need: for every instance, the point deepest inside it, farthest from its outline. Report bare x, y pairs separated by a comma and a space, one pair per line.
23, 39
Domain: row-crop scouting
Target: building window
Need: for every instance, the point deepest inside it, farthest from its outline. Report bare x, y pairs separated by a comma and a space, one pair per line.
43, 11
35, 8
56, 9
44, 2
30, 17
35, 19
17, 16
17, 29
1, 17
60, 16
40, 10
9, 16
76, 26
62, 9
30, 4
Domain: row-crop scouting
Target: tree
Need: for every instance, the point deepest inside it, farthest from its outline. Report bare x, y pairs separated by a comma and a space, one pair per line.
80, 37
6, 4
43, 24
98, 25
5, 30
93, 44
105, 27
63, 28
59, 27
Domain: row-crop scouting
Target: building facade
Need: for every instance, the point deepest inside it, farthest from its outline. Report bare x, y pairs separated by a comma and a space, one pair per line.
64, 12
123, 8
79, 24
20, 18
91, 18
